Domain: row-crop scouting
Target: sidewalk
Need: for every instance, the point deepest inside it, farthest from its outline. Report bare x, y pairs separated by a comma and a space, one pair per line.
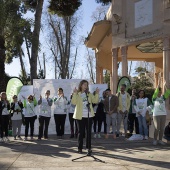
54, 153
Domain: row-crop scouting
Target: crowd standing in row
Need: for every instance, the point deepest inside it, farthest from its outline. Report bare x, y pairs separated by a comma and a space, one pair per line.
111, 110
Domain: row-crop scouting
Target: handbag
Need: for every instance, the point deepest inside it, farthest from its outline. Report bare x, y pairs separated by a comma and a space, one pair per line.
148, 118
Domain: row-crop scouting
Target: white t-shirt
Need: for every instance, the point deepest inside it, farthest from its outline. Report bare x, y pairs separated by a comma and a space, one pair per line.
29, 110
5, 110
124, 104
72, 108
85, 108
159, 107
45, 109
16, 116
141, 106
60, 105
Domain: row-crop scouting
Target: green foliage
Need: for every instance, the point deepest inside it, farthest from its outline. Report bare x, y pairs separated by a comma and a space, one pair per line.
107, 78
13, 28
143, 82
30, 5
64, 7
41, 74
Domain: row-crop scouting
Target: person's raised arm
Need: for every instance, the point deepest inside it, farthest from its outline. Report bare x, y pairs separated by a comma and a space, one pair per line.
167, 91
74, 98
95, 98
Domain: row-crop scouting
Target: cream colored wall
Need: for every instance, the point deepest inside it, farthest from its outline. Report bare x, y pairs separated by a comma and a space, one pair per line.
125, 33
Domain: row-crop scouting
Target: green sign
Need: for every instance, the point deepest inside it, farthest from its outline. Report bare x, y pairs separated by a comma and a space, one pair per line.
13, 87
123, 80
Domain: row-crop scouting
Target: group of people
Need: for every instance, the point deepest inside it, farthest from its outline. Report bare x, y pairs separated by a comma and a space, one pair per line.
86, 109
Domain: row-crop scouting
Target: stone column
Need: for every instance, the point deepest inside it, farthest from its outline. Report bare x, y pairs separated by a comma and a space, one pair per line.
101, 75
124, 61
166, 69
97, 68
114, 69
111, 82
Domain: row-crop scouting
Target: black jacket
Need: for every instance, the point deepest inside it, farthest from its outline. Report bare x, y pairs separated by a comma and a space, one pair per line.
12, 108
167, 131
2, 106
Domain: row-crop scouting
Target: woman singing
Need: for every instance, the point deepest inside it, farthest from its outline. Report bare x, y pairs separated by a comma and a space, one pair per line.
83, 101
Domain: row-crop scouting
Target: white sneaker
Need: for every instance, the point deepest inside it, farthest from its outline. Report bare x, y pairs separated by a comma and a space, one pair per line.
155, 142
161, 142
145, 138
99, 136
95, 136
6, 139
19, 137
1, 140
25, 139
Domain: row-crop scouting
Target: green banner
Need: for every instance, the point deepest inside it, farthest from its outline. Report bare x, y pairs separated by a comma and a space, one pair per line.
123, 80
13, 87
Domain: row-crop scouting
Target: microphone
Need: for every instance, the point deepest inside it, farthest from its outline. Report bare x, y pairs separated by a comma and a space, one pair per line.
86, 91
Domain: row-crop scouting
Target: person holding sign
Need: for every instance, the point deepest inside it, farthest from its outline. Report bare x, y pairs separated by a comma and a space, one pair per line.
159, 112
45, 114
84, 110
4, 116
29, 115
16, 117
60, 112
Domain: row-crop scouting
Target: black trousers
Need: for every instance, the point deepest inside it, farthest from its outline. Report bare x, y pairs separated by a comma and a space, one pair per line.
43, 126
72, 124
4, 124
29, 122
105, 124
133, 120
82, 126
60, 123
97, 121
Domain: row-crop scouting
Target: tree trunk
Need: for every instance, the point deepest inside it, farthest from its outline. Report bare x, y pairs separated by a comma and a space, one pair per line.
2, 65
35, 40
22, 64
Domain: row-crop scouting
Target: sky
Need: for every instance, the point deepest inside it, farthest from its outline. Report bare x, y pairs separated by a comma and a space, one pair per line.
87, 8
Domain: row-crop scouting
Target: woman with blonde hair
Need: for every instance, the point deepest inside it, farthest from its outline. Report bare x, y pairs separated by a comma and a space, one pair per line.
83, 101
4, 116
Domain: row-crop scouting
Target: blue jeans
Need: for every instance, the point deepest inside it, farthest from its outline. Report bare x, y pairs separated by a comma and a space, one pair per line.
143, 129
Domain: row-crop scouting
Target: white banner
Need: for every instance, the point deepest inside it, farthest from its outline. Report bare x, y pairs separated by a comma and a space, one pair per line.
101, 87
41, 85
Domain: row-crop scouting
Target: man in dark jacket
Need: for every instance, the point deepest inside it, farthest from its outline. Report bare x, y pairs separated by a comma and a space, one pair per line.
111, 104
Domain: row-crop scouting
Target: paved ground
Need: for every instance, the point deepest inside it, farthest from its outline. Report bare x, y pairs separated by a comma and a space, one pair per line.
56, 153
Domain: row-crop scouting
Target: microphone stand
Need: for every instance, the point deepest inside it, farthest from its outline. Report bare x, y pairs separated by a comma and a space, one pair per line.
89, 152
